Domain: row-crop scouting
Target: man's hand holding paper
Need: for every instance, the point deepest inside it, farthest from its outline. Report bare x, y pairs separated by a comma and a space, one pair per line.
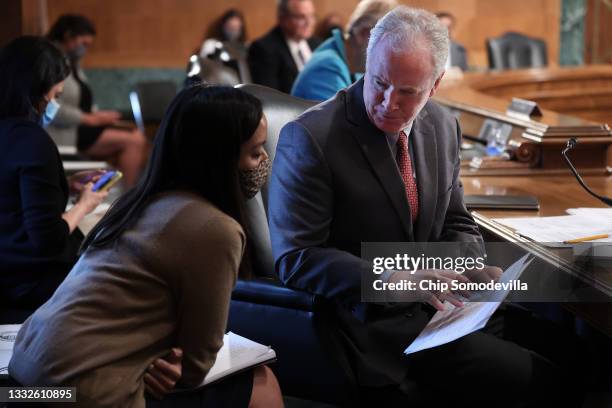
427, 284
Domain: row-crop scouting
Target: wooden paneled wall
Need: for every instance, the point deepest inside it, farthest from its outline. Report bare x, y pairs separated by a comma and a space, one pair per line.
22, 17
163, 33
598, 32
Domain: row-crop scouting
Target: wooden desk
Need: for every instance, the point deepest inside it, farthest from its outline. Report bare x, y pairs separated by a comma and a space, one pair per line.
581, 98
556, 194
584, 92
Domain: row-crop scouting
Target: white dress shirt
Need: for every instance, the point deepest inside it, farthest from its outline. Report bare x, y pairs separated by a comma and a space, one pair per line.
297, 48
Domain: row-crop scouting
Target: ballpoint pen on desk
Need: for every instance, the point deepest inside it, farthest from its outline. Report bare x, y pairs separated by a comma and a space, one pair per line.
584, 239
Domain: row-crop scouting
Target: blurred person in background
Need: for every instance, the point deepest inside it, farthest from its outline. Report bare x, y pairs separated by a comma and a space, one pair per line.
276, 58
40, 239
228, 32
95, 133
324, 28
340, 60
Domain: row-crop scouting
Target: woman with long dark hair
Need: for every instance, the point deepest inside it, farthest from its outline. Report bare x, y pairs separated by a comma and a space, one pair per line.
153, 285
40, 239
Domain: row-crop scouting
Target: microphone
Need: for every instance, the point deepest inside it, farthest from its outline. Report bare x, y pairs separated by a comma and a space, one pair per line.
571, 143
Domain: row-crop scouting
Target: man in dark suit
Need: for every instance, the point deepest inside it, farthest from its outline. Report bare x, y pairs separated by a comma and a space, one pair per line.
379, 162
276, 58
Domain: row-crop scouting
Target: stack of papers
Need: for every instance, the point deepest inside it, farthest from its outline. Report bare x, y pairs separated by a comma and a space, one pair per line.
591, 212
582, 222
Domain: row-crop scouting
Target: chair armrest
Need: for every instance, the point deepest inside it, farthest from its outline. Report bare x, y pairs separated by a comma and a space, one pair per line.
267, 291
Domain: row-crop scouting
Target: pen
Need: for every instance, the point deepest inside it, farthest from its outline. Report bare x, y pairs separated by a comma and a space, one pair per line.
583, 239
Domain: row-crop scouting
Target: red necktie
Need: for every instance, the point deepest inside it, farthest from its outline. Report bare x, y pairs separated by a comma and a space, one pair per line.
405, 167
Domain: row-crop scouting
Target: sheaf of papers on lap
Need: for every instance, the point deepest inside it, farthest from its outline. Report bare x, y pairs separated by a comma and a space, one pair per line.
455, 322
237, 354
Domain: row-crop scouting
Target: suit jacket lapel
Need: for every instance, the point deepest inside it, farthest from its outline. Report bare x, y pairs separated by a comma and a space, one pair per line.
426, 159
374, 145
285, 50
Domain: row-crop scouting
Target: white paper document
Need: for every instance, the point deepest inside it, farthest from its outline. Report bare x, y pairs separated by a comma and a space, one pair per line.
591, 212
8, 333
455, 322
237, 354
551, 230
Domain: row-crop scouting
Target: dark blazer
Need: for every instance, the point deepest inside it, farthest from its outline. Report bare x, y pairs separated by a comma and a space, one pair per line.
271, 63
334, 185
458, 56
35, 242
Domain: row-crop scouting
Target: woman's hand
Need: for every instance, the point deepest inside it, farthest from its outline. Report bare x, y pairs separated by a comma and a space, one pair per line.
77, 181
163, 374
89, 199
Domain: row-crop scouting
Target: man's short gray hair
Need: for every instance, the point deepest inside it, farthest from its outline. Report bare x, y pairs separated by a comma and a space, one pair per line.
407, 28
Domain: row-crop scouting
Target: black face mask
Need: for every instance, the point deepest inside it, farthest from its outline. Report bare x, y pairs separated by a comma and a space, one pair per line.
252, 180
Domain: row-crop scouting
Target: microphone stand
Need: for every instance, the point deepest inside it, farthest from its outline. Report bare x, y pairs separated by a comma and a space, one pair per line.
571, 143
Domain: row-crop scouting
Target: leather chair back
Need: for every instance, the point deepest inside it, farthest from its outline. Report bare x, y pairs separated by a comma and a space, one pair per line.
295, 323
211, 71
279, 109
238, 59
149, 101
515, 50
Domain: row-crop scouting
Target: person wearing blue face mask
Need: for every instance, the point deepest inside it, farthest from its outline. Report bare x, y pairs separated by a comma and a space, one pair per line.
39, 240
49, 113
95, 133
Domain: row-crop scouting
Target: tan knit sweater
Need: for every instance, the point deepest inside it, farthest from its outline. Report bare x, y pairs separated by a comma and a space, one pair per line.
165, 282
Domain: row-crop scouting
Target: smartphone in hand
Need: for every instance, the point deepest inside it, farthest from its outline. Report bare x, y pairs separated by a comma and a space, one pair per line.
107, 180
